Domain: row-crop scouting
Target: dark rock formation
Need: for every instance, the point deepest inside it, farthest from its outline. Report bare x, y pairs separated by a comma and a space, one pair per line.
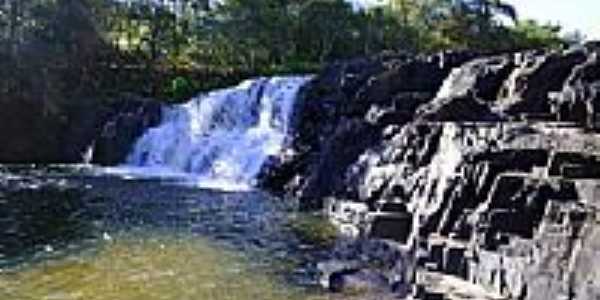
486, 181
31, 136
359, 281
124, 124
344, 111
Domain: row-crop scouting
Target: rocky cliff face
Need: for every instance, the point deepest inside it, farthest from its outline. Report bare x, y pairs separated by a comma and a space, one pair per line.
481, 168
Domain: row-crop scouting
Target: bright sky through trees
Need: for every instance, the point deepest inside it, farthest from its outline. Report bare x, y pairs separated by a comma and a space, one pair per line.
571, 14
583, 15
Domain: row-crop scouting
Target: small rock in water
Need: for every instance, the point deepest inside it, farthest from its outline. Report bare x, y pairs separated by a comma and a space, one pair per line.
328, 269
360, 281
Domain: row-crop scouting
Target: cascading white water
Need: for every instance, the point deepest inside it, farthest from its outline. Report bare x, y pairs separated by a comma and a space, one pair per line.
222, 138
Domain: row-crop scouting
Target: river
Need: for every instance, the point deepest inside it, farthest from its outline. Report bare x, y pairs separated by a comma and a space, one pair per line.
104, 236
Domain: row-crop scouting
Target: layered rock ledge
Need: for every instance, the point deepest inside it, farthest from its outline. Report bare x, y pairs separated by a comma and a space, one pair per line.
480, 172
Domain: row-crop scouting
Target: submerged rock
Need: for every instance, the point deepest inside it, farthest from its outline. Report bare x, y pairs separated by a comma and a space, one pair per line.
359, 282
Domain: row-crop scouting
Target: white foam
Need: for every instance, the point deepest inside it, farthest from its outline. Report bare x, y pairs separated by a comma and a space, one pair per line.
218, 140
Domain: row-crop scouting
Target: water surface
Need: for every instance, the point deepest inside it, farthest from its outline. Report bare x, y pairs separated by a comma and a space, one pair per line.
150, 239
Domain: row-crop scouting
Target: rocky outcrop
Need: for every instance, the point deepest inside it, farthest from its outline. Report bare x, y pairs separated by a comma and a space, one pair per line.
344, 111
116, 134
107, 129
482, 171
357, 106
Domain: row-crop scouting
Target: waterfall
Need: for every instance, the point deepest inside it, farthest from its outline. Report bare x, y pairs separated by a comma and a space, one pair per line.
221, 139
88, 155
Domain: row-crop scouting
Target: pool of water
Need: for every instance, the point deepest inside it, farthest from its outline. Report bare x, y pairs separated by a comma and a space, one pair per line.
115, 238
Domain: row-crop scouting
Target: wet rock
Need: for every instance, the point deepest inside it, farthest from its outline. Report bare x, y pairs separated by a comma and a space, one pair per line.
125, 123
391, 226
467, 109
349, 217
469, 91
487, 178
454, 261
363, 281
549, 74
575, 165
335, 268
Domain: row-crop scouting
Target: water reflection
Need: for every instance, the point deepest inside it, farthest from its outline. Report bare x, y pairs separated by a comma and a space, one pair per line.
39, 218
153, 267
101, 237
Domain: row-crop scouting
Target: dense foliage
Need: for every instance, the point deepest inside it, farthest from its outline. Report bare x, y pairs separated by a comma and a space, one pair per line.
54, 51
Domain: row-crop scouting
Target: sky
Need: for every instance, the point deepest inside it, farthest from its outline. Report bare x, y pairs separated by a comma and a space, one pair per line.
571, 14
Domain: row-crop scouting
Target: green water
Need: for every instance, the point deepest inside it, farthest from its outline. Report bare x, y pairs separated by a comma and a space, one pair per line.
151, 240
153, 267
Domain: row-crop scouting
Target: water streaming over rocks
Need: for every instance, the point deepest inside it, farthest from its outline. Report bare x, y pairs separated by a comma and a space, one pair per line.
224, 137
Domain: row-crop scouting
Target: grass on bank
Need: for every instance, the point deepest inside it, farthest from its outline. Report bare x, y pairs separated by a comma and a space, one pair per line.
314, 229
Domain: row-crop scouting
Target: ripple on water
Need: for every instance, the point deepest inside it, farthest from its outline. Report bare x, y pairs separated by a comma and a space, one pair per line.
149, 239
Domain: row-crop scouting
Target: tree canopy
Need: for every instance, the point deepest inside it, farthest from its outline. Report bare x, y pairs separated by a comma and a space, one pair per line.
88, 45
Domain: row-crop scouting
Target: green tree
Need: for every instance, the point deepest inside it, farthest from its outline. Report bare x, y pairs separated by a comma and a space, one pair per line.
328, 29
528, 34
